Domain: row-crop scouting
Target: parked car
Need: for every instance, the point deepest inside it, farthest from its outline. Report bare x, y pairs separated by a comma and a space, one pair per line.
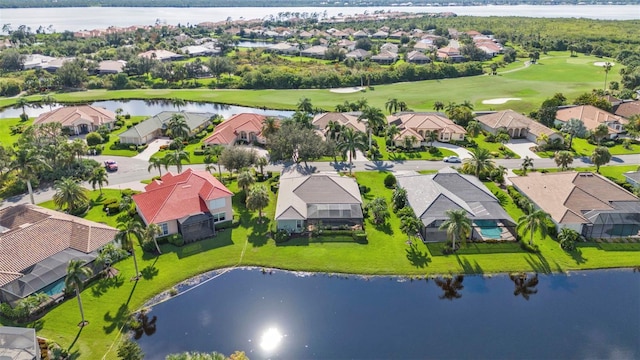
452, 159
111, 165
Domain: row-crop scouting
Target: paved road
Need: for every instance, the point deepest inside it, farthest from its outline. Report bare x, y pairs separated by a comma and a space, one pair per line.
131, 171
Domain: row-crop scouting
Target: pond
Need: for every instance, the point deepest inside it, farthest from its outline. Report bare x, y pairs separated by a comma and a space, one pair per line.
284, 316
152, 107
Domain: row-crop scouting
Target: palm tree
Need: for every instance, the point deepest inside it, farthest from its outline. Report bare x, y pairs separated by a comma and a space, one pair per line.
451, 287
563, 159
600, 156
474, 128
70, 194
177, 102
458, 226
99, 177
574, 127
245, 179
409, 141
374, 117
607, 67
257, 199
49, 100
269, 126
527, 163
151, 233
431, 137
212, 152
600, 132
438, 105
78, 147
350, 142
524, 285
534, 220
479, 162
261, 162
175, 158
177, 127
29, 162
391, 132
333, 129
130, 227
410, 225
305, 106
76, 273
391, 105
22, 103
157, 163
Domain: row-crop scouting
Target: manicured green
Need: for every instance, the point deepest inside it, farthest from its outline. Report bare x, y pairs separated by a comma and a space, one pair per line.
557, 73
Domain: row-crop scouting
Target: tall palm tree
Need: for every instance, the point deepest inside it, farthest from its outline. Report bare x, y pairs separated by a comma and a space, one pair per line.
527, 163
48, 99
525, 286
157, 163
78, 147
600, 156
458, 226
409, 141
600, 132
269, 126
305, 106
534, 220
391, 132
151, 233
479, 162
76, 273
431, 137
130, 227
22, 103
607, 67
212, 156
333, 129
245, 179
450, 286
563, 159
474, 128
261, 162
99, 177
374, 117
257, 199
391, 105
177, 102
175, 158
350, 142
70, 194
177, 127
29, 162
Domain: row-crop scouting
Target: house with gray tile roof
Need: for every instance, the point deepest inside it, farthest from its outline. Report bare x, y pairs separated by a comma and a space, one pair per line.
431, 196
326, 199
151, 128
633, 178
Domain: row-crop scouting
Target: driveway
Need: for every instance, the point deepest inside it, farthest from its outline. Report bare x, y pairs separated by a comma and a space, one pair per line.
153, 148
521, 147
460, 151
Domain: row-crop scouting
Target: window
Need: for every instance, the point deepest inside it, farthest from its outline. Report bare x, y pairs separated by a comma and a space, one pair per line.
219, 217
165, 228
216, 204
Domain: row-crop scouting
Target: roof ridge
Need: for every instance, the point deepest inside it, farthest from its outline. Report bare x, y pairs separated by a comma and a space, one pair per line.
335, 182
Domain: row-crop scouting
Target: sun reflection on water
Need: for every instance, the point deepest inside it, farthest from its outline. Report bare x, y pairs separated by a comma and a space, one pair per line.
270, 339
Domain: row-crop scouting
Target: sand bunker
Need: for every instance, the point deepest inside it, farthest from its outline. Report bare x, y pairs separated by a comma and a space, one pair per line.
347, 90
499, 101
602, 63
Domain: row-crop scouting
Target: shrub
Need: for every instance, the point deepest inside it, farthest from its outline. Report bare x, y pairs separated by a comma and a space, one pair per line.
390, 181
112, 209
133, 147
127, 116
281, 236
109, 201
228, 224
198, 152
93, 138
10, 88
164, 147
359, 236
529, 248
148, 246
176, 240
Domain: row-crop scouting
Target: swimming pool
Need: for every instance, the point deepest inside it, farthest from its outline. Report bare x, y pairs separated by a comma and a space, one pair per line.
54, 288
489, 229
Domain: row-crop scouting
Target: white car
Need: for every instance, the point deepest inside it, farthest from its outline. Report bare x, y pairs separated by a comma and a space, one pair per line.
452, 159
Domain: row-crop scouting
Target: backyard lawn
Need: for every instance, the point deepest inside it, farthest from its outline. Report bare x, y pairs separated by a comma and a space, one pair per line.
113, 137
582, 147
6, 138
108, 301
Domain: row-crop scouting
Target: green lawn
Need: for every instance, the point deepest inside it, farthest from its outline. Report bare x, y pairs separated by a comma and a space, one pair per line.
6, 139
108, 301
113, 137
400, 155
494, 148
613, 172
582, 147
558, 73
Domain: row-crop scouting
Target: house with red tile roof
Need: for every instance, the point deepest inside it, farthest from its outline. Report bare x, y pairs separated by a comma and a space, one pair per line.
36, 244
190, 203
517, 126
419, 125
627, 109
79, 119
243, 128
592, 116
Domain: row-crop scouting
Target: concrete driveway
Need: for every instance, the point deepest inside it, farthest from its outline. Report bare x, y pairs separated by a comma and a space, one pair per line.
460, 151
521, 147
153, 148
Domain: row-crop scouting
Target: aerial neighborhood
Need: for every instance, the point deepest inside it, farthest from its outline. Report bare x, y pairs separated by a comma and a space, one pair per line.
397, 145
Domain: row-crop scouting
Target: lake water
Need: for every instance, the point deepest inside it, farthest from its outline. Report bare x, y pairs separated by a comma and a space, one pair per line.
152, 107
75, 19
283, 316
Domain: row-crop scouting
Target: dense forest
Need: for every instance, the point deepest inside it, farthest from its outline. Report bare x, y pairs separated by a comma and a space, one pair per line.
281, 3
